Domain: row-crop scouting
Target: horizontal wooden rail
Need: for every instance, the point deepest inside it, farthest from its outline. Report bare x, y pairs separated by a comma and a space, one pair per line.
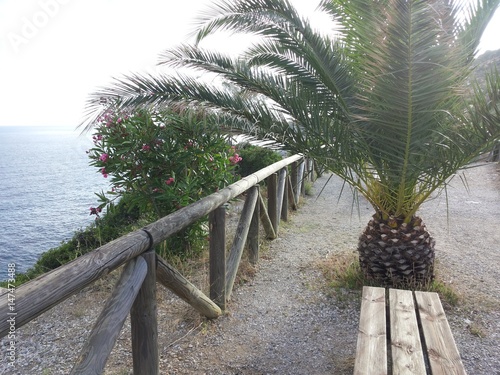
135, 292
48, 290
173, 223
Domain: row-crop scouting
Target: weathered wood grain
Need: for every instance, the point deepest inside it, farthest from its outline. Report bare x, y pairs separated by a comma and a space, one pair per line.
285, 202
301, 188
171, 224
406, 348
253, 240
217, 224
281, 192
291, 194
266, 221
442, 351
144, 324
171, 278
234, 259
46, 291
310, 170
106, 330
272, 201
295, 180
420, 337
371, 350
49, 289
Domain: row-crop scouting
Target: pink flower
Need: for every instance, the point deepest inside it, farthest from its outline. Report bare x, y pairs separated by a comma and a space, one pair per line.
235, 159
146, 148
95, 211
170, 181
104, 158
104, 173
97, 138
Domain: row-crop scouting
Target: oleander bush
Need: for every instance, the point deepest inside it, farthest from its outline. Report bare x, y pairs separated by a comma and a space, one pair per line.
156, 164
255, 158
163, 162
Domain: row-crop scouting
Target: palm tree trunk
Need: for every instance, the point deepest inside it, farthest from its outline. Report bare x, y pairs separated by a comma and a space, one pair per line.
396, 253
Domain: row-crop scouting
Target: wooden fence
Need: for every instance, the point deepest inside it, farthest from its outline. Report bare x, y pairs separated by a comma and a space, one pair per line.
135, 291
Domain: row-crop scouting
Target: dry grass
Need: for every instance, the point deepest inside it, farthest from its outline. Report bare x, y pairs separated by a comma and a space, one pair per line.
343, 273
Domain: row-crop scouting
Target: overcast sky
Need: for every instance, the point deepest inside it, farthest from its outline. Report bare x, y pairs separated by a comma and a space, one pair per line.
53, 53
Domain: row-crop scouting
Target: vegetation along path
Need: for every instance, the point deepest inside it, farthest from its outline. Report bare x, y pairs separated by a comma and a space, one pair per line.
286, 319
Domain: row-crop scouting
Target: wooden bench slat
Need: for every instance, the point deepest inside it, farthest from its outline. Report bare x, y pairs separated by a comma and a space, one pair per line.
371, 351
442, 351
406, 348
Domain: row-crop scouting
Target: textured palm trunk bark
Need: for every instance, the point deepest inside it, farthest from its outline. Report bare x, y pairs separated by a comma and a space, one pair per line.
397, 254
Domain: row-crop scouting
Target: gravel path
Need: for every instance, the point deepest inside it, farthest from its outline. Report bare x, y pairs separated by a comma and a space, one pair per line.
285, 321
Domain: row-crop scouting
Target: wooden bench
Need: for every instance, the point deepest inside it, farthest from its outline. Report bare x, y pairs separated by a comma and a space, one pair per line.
407, 333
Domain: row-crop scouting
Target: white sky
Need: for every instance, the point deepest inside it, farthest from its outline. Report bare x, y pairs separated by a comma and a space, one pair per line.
53, 53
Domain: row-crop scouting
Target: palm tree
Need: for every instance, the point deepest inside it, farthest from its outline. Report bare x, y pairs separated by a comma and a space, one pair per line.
381, 101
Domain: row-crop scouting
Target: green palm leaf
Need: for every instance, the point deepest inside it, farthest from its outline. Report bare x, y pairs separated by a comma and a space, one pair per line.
384, 101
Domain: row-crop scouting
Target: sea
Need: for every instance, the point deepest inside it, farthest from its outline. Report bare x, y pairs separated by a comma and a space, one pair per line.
46, 189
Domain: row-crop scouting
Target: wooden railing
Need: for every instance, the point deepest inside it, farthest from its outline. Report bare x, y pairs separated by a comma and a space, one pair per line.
135, 291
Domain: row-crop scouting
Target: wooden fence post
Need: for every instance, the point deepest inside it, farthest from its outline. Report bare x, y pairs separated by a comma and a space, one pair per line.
266, 221
254, 233
290, 194
312, 171
106, 330
143, 320
295, 179
272, 201
301, 190
240, 237
217, 223
282, 202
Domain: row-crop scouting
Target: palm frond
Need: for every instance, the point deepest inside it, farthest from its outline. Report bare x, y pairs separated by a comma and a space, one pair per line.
244, 17
384, 104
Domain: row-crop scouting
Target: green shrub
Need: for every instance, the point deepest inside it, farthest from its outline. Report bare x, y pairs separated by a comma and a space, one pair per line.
162, 161
255, 158
158, 163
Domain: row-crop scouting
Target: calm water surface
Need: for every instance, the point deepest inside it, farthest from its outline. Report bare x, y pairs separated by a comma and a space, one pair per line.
46, 189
